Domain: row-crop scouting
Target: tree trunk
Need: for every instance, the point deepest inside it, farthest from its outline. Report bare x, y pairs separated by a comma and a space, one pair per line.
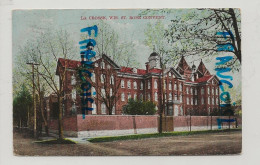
44, 117
60, 119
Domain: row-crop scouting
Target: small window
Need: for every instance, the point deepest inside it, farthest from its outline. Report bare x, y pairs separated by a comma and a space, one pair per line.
122, 97
111, 92
134, 70
112, 79
135, 96
122, 84
129, 84
128, 96
170, 96
102, 78
108, 66
103, 108
94, 106
73, 94
170, 85
155, 84
135, 85
148, 97
170, 74
202, 91
102, 65
141, 97
113, 110
103, 93
93, 92
155, 96
93, 77
73, 80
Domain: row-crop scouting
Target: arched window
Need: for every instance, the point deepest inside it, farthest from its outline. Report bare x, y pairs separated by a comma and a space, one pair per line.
103, 108
149, 84
112, 79
170, 85
135, 85
155, 96
129, 84
73, 80
122, 84
170, 96
94, 106
122, 97
93, 77
155, 84
141, 86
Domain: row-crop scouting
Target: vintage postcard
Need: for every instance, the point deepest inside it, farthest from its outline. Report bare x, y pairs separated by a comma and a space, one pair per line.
127, 82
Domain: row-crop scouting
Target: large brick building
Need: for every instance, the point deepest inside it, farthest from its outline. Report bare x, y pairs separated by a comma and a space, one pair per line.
186, 88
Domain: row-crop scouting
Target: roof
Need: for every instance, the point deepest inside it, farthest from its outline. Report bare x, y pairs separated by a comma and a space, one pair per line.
203, 79
130, 70
71, 64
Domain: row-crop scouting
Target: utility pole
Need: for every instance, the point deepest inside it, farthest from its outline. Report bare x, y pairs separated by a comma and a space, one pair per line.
34, 107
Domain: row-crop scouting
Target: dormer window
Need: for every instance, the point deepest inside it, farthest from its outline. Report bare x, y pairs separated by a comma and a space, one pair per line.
170, 74
134, 70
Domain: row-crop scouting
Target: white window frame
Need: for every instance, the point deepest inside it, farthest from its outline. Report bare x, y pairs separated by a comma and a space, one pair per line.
123, 96
122, 84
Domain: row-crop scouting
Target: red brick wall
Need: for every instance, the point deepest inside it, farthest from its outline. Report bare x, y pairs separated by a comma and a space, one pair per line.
115, 122
182, 121
69, 124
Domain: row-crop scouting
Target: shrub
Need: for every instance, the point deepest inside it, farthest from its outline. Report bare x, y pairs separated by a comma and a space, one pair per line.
139, 107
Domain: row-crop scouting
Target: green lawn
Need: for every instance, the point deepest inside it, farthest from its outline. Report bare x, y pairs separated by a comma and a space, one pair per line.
156, 135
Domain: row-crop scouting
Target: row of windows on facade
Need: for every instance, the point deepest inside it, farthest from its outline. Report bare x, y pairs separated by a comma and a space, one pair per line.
94, 106
189, 90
